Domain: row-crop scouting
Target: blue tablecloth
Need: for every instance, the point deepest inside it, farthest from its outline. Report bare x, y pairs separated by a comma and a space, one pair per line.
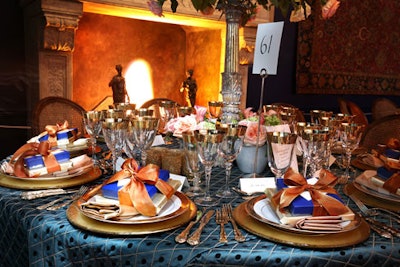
31, 237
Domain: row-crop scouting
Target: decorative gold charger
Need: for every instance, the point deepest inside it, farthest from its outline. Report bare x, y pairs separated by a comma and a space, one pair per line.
79, 220
334, 240
250, 210
371, 200
57, 182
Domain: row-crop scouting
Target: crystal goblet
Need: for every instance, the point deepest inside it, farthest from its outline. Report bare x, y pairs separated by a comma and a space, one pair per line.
143, 130
215, 109
229, 148
114, 131
92, 121
280, 151
208, 142
193, 162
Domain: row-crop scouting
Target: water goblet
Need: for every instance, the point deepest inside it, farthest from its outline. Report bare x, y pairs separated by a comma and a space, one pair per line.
280, 147
143, 131
229, 148
167, 111
114, 130
193, 162
350, 135
215, 108
208, 142
92, 121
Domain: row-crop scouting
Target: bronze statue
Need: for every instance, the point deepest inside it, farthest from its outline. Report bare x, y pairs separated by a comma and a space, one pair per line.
118, 87
190, 87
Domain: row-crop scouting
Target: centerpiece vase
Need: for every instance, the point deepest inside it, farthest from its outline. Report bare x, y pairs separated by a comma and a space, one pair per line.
247, 156
231, 78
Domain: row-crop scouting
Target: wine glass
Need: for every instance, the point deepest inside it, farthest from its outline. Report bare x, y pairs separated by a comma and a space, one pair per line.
215, 107
193, 162
92, 121
167, 111
114, 131
280, 147
350, 135
229, 148
143, 130
208, 142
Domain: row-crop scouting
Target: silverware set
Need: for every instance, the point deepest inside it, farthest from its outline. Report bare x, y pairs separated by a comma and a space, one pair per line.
222, 217
64, 200
368, 214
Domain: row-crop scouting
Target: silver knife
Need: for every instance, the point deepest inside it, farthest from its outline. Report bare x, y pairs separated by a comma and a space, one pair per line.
45, 193
194, 239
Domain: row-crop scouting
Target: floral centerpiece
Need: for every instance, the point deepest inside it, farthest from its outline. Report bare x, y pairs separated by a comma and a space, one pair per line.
300, 9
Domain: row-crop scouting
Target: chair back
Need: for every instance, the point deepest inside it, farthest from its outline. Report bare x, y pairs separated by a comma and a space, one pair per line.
382, 107
52, 110
349, 107
380, 131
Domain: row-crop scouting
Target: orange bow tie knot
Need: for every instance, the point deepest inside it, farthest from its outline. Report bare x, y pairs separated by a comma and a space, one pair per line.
134, 193
323, 203
52, 130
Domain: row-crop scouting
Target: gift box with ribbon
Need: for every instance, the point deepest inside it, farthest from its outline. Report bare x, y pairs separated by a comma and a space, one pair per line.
111, 190
298, 197
56, 160
63, 137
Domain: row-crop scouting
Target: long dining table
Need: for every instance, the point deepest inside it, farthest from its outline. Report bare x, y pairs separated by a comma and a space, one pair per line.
32, 237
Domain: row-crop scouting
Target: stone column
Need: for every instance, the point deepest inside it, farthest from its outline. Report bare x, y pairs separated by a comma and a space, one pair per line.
50, 27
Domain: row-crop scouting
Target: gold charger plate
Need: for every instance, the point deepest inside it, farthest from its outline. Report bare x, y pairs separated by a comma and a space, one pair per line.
253, 213
177, 199
373, 193
371, 200
61, 182
335, 240
79, 220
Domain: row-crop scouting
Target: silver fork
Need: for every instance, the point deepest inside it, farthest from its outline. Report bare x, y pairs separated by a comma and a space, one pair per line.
82, 190
227, 209
221, 220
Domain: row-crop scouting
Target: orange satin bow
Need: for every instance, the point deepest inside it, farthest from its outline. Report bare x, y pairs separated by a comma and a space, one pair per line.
31, 149
135, 193
323, 203
393, 183
52, 130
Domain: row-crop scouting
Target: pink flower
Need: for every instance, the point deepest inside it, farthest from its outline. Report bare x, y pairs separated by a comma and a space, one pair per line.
329, 9
249, 113
155, 8
200, 113
181, 124
250, 137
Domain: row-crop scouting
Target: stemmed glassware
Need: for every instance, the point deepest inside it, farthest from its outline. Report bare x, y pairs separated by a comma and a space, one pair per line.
208, 142
215, 109
229, 148
167, 111
280, 147
143, 130
350, 135
114, 131
193, 162
92, 121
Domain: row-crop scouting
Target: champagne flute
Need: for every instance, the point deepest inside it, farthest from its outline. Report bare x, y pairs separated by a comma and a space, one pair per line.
92, 121
193, 162
208, 142
114, 131
280, 151
229, 148
350, 135
143, 130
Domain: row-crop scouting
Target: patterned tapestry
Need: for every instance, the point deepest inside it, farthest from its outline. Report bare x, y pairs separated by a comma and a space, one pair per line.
357, 51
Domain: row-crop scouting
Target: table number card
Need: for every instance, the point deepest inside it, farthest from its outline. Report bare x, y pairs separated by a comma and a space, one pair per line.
267, 46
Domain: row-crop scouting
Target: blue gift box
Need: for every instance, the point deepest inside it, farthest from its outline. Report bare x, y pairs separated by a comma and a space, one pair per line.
384, 173
392, 153
61, 135
300, 205
111, 190
36, 161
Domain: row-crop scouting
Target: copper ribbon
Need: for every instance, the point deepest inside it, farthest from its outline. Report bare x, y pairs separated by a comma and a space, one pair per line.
323, 204
393, 183
32, 149
138, 196
52, 130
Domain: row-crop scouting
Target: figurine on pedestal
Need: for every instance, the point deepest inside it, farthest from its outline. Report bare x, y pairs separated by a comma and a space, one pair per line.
120, 95
189, 86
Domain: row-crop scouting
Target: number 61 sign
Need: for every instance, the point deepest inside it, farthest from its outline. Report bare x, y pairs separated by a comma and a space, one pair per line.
266, 50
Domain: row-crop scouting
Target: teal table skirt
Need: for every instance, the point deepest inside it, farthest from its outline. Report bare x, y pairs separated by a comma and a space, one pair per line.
31, 237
